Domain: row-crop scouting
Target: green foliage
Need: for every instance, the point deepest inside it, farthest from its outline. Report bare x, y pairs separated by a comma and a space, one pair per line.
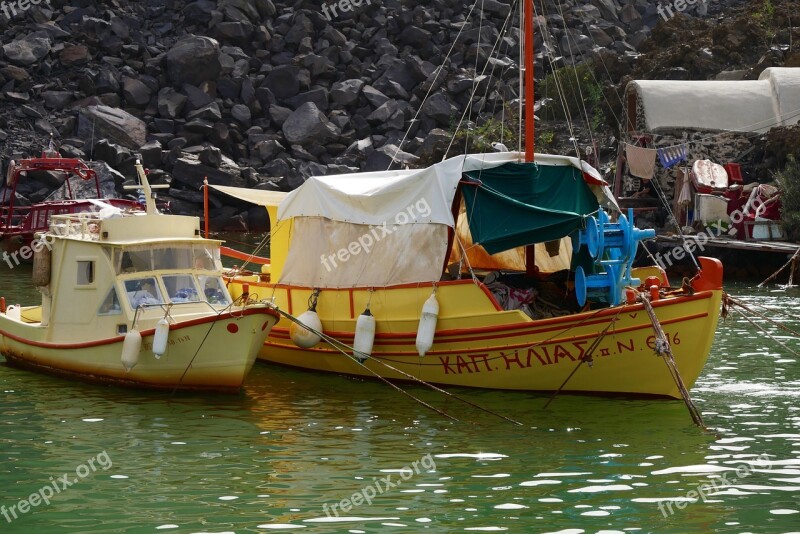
547, 137
764, 16
487, 132
788, 180
580, 89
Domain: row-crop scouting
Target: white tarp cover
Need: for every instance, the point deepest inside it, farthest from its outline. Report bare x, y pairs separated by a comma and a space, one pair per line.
325, 253
743, 106
377, 197
380, 228
260, 197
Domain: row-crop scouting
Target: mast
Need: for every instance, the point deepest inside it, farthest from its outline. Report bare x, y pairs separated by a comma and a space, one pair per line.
528, 66
530, 251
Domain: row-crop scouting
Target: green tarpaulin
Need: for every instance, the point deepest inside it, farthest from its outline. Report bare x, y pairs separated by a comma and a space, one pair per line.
519, 204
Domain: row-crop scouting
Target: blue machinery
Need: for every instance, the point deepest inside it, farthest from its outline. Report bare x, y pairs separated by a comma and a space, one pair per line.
613, 247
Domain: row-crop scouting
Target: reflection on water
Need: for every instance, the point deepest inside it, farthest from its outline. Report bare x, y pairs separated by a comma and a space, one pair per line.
293, 444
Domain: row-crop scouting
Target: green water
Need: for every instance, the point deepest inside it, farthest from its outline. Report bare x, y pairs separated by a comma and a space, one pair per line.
292, 442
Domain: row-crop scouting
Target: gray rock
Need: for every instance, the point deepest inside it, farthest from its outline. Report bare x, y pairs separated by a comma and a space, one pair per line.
346, 92
27, 51
211, 156
283, 81
318, 96
278, 114
170, 103
151, 154
241, 114
57, 99
308, 124
135, 92
374, 97
190, 171
209, 112
114, 124
193, 60
439, 108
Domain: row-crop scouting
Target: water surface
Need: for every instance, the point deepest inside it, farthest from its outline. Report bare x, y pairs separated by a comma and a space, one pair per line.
272, 457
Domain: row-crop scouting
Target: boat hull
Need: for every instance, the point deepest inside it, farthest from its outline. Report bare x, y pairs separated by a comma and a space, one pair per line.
208, 353
478, 345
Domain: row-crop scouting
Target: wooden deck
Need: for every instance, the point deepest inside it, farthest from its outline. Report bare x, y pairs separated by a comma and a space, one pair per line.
753, 246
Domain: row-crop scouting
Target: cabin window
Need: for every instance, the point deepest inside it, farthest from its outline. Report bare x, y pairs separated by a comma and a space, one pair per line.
176, 257
85, 272
134, 261
215, 290
143, 292
110, 305
172, 258
181, 288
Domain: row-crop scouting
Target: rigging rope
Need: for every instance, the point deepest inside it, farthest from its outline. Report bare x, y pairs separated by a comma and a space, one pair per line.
663, 349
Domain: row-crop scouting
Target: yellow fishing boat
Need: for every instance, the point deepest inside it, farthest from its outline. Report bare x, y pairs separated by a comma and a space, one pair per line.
133, 298
494, 270
516, 309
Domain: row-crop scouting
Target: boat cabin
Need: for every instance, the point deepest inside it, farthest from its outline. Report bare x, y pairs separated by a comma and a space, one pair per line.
109, 270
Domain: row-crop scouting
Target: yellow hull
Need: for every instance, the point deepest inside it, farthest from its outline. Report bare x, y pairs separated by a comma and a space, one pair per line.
207, 353
478, 345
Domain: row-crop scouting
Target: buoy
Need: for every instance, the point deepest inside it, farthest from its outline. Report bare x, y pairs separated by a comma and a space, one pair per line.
303, 337
161, 337
427, 325
130, 349
365, 335
41, 264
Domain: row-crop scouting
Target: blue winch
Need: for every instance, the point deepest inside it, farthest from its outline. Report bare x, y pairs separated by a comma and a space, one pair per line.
613, 247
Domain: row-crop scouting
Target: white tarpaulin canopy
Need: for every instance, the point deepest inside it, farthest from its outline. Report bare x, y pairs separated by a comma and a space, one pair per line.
742, 106
376, 229
378, 197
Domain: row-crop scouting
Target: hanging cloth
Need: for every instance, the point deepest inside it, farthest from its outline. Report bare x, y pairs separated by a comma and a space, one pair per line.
641, 161
672, 155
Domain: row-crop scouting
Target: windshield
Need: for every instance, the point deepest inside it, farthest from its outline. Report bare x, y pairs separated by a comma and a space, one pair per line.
156, 258
177, 288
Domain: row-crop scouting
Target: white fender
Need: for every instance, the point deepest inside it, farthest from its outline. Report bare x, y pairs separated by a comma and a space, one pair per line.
427, 325
161, 337
130, 349
365, 335
302, 337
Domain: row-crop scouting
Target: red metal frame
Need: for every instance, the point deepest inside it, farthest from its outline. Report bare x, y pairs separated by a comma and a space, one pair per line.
25, 221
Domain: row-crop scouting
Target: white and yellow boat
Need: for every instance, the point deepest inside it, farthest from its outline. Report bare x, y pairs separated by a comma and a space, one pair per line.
388, 241
134, 298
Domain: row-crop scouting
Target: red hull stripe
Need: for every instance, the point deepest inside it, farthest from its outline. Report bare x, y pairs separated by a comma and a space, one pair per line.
554, 324
484, 349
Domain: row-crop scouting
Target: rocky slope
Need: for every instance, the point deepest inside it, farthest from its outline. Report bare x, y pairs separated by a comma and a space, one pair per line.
264, 93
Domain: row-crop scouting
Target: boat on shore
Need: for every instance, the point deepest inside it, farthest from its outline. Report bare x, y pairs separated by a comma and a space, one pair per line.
134, 298
388, 244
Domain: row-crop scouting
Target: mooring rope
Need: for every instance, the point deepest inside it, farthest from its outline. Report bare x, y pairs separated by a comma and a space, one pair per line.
792, 261
343, 348
764, 330
735, 302
587, 357
663, 349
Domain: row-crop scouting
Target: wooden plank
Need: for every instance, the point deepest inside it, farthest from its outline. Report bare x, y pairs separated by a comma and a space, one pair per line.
756, 246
